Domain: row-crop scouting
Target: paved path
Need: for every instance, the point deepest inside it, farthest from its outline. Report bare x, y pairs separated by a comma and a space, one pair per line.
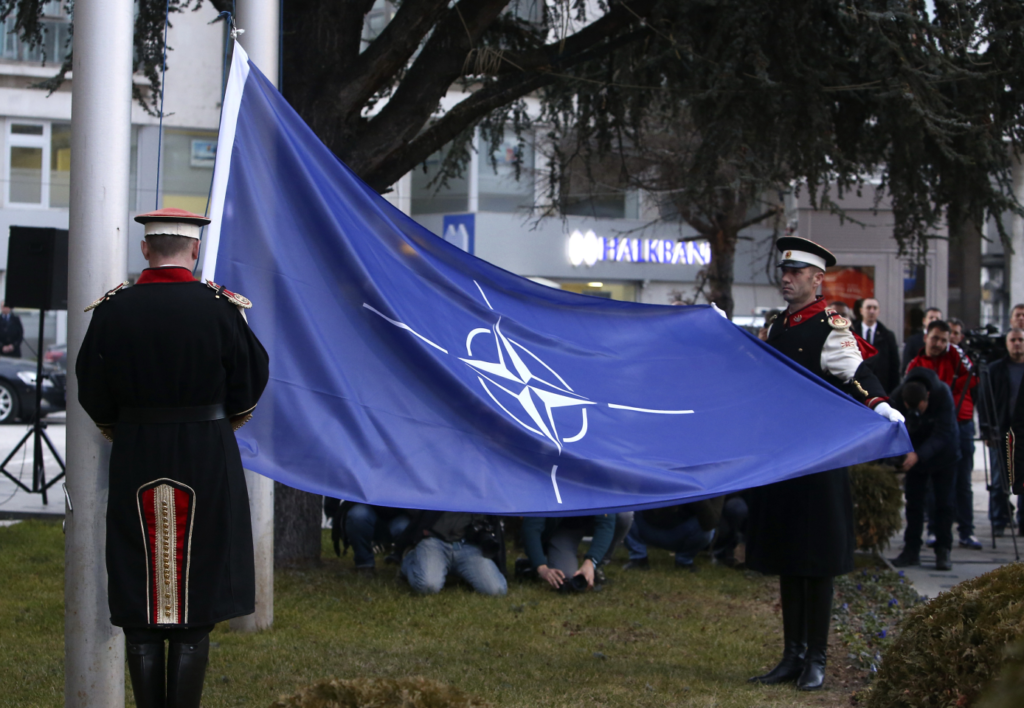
967, 564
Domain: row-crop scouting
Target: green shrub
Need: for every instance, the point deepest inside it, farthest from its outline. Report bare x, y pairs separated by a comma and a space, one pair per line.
1008, 690
950, 649
414, 692
877, 501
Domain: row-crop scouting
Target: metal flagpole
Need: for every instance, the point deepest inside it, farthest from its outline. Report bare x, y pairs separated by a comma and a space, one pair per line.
261, 20
101, 97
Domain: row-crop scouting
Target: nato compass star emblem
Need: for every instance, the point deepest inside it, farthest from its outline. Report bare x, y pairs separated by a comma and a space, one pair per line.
524, 387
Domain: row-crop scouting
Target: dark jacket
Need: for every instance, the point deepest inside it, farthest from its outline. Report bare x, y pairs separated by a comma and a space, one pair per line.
934, 433
707, 511
804, 526
911, 348
999, 384
1015, 448
11, 332
886, 363
538, 530
179, 539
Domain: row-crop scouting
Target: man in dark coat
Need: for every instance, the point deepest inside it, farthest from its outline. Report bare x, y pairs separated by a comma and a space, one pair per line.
886, 363
11, 332
802, 529
167, 370
1005, 380
928, 404
1015, 448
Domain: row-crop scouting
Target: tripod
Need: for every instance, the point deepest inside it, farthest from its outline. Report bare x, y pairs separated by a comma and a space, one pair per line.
38, 435
997, 480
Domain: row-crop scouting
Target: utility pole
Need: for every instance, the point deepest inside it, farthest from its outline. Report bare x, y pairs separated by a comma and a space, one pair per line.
101, 100
261, 20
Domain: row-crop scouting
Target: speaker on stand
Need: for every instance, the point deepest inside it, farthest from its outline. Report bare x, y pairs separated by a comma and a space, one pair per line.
37, 278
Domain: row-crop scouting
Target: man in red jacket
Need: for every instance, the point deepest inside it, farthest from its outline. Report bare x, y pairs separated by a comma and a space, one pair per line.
955, 369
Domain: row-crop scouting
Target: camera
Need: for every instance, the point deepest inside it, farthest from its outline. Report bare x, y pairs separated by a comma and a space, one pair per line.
483, 534
985, 343
575, 583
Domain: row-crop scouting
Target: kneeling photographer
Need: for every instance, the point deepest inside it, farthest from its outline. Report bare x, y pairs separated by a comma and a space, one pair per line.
552, 545
685, 529
438, 542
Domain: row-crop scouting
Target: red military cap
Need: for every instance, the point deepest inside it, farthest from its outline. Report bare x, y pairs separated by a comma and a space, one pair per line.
173, 222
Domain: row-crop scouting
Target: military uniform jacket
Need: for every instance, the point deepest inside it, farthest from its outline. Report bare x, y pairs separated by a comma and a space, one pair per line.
805, 526
179, 544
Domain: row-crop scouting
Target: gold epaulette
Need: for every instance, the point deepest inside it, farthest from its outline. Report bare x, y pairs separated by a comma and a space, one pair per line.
109, 294
836, 320
234, 298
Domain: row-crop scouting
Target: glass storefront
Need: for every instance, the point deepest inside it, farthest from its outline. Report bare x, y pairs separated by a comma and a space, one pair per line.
617, 290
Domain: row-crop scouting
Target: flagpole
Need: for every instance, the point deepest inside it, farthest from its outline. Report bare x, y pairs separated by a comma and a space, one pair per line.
101, 98
261, 20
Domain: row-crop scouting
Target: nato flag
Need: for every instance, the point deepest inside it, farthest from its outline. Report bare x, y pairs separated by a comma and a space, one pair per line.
408, 373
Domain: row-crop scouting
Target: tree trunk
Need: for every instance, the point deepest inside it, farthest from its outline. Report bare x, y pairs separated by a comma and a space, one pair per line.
297, 533
720, 270
965, 265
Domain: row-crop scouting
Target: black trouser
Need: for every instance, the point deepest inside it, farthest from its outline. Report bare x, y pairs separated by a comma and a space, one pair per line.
184, 635
999, 500
179, 683
941, 478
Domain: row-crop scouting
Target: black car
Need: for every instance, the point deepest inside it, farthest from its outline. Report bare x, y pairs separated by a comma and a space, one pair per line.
18, 389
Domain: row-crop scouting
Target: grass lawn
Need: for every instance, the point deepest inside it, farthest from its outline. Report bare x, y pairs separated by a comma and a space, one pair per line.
660, 638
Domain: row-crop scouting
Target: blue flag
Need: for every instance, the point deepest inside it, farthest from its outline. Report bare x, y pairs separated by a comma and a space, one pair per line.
408, 373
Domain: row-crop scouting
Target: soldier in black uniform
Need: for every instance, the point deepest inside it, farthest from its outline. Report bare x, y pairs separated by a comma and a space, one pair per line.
168, 370
802, 529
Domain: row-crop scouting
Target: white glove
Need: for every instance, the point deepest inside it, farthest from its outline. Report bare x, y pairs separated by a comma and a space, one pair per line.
885, 410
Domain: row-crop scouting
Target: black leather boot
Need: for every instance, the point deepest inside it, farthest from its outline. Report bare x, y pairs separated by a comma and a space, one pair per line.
146, 667
791, 590
819, 615
186, 670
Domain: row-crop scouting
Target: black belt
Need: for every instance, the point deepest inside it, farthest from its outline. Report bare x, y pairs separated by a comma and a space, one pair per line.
184, 414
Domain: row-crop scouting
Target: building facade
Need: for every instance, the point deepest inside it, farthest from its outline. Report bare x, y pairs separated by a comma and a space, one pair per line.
607, 245
169, 168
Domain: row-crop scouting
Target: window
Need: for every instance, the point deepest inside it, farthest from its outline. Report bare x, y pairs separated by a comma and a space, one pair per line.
38, 165
37, 171
376, 20
601, 193
60, 165
56, 33
427, 198
499, 190
187, 168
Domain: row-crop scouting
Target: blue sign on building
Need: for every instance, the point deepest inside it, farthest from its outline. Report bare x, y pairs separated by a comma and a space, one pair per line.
460, 230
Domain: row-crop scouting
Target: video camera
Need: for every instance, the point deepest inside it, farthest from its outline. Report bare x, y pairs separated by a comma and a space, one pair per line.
985, 343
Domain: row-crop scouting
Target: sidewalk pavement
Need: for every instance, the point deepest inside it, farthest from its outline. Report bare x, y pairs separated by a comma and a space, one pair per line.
967, 563
15, 503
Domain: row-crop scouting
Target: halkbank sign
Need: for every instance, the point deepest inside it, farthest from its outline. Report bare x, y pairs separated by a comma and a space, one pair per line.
587, 248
